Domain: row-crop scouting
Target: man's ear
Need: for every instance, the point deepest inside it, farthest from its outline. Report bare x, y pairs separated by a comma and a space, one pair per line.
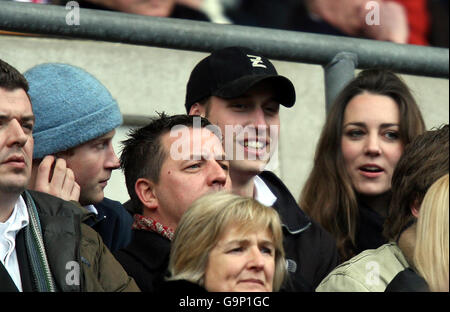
144, 189
197, 109
415, 208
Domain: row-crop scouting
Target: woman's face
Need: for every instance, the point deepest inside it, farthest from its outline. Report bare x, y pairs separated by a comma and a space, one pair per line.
241, 262
371, 145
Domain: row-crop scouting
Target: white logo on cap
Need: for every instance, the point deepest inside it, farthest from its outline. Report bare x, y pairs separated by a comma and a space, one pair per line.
256, 61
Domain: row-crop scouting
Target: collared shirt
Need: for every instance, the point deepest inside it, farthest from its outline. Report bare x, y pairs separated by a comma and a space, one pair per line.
91, 208
8, 231
262, 193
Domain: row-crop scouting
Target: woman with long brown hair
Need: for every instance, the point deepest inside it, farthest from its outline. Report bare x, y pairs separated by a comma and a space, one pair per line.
366, 130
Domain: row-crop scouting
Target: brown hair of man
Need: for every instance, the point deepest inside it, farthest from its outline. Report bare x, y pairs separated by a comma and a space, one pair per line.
11, 78
424, 161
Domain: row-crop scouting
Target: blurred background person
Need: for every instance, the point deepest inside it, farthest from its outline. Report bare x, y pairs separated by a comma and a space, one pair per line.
160, 8
401, 21
420, 22
349, 188
227, 243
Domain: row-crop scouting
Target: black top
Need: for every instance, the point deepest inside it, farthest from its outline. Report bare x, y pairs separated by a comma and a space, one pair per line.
311, 252
146, 259
369, 231
407, 281
113, 223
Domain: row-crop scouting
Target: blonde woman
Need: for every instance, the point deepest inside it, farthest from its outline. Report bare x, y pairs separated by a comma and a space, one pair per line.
432, 243
431, 253
226, 242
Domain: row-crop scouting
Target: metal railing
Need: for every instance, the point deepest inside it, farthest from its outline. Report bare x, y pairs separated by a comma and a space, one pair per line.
339, 56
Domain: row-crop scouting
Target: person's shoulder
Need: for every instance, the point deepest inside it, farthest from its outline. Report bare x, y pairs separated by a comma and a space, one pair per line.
371, 270
269, 176
114, 209
318, 233
146, 247
52, 205
407, 281
276, 186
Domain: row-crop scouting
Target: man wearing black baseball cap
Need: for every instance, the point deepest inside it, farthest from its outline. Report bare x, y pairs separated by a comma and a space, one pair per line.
240, 91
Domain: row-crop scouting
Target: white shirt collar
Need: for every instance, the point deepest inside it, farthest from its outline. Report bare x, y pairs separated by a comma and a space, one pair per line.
8, 231
91, 208
262, 192
19, 217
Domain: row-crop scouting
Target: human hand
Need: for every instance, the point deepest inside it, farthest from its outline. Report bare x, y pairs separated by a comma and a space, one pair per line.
346, 15
393, 24
61, 183
350, 17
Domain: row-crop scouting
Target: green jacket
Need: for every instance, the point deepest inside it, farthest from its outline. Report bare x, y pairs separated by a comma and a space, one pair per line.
370, 271
78, 259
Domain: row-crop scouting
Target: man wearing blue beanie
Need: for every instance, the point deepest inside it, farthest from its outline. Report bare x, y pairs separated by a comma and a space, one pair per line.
76, 118
44, 246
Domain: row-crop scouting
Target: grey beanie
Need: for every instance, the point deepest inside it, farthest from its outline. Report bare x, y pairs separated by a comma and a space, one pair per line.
71, 107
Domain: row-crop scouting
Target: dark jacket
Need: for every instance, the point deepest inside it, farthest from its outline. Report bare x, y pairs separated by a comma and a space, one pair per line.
369, 231
68, 240
146, 259
407, 281
311, 251
113, 223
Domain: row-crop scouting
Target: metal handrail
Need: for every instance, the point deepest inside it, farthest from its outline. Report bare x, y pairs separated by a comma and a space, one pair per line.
205, 37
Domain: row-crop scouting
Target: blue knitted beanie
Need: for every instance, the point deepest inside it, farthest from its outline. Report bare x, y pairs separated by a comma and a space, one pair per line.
71, 107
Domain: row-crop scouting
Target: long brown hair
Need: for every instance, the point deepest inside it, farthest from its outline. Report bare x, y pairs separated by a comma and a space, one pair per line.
328, 195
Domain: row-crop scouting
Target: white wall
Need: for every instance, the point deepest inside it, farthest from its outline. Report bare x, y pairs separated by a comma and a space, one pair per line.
146, 79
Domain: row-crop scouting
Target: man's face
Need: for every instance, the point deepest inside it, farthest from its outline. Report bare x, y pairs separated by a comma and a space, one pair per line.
250, 127
194, 165
92, 164
16, 140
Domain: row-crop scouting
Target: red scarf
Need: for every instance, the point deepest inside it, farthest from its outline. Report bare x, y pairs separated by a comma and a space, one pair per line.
148, 224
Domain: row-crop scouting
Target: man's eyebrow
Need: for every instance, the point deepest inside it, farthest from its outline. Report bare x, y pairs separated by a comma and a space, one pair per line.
29, 118
23, 118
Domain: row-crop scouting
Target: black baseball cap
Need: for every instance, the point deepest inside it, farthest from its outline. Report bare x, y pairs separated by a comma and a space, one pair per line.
228, 73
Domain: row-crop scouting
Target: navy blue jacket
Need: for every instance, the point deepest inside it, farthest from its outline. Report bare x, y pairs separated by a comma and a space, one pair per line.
113, 223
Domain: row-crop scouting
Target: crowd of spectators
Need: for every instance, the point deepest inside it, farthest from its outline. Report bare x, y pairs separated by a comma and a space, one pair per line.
420, 22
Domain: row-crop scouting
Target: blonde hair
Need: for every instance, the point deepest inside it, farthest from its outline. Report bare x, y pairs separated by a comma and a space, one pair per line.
204, 223
432, 237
